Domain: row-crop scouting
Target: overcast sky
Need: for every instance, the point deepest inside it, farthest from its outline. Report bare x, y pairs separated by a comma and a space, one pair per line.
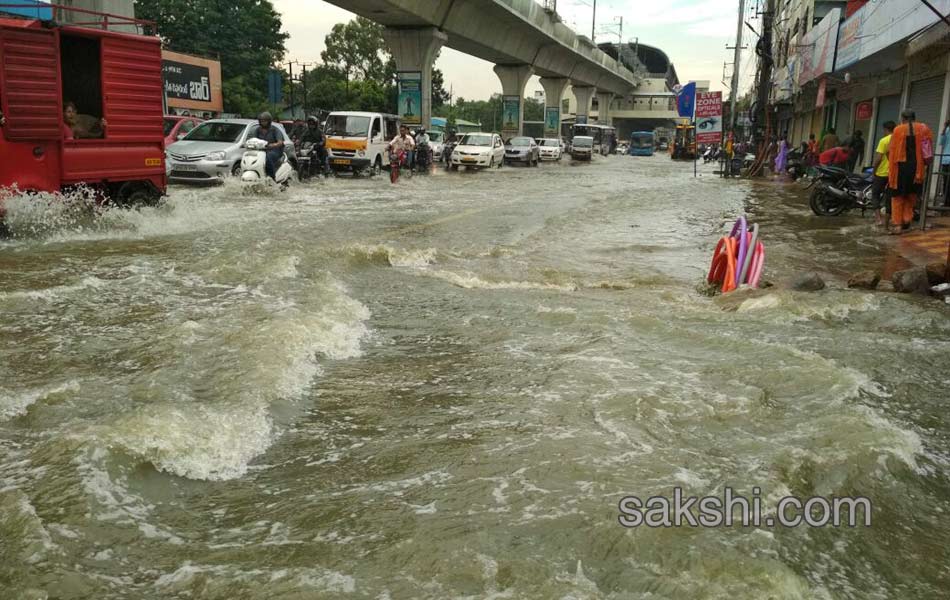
693, 33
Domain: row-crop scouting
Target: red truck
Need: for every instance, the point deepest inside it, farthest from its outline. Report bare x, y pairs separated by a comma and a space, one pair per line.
112, 78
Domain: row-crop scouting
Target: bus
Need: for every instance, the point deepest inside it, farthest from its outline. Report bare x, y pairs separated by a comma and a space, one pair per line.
641, 143
605, 136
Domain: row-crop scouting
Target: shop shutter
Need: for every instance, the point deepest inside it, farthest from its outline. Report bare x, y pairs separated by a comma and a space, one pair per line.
888, 109
132, 87
926, 96
29, 79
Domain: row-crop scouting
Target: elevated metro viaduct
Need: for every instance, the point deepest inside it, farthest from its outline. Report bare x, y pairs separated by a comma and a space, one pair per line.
519, 36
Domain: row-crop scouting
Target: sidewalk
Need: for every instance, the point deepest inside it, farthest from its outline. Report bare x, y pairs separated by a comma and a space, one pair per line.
923, 247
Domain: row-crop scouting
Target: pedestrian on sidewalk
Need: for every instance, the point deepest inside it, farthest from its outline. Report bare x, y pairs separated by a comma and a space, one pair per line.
945, 161
880, 195
856, 143
909, 153
830, 140
781, 158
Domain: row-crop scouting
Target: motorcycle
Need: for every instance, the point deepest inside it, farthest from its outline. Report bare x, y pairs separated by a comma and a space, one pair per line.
422, 158
254, 161
711, 154
310, 162
398, 161
836, 190
795, 164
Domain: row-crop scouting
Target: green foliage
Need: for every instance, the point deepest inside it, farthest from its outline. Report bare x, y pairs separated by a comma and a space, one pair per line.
488, 112
245, 34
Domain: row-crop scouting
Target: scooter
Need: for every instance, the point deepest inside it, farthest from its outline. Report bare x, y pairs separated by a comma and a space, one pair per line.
795, 164
837, 190
253, 165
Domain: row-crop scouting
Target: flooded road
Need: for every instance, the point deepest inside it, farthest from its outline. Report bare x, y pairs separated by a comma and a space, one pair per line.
442, 389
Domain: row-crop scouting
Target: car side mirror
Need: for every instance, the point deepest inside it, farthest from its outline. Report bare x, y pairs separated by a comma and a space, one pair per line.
181, 136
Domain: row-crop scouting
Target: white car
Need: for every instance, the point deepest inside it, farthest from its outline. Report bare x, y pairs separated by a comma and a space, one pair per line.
551, 149
478, 150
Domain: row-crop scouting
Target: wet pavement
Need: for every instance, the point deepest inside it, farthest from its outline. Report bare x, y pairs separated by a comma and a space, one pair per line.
443, 388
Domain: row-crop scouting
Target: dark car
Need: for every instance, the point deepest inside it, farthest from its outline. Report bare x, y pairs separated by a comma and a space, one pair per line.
522, 149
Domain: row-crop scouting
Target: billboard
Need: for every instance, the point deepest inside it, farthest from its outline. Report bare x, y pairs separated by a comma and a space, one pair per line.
192, 83
409, 104
818, 48
709, 118
879, 24
510, 114
552, 120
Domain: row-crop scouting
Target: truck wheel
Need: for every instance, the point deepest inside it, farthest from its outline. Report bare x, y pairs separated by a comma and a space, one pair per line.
377, 167
135, 194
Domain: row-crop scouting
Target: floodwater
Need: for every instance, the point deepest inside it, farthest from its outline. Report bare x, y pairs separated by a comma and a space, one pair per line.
442, 389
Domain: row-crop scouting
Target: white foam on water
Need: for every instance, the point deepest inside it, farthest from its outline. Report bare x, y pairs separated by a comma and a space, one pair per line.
470, 281
279, 358
16, 404
394, 257
56, 292
226, 577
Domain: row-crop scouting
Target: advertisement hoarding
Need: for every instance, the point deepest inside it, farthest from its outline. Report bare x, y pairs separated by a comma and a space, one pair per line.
709, 118
510, 113
409, 104
192, 83
552, 120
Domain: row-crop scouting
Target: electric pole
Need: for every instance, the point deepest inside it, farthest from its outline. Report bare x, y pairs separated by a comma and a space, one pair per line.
734, 95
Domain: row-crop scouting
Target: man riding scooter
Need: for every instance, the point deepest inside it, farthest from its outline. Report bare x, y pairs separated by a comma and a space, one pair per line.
422, 155
275, 143
318, 157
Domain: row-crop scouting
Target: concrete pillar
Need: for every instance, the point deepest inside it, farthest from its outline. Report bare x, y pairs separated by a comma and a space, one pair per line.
583, 95
603, 107
553, 92
513, 78
414, 51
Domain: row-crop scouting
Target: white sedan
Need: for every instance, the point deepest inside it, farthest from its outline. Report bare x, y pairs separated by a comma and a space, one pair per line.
478, 150
551, 149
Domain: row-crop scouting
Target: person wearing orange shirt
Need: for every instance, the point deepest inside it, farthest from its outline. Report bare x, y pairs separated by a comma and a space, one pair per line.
909, 153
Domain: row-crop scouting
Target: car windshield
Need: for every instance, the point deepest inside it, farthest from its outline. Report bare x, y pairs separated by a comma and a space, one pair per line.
476, 140
583, 142
211, 131
436, 136
347, 126
520, 141
169, 125
550, 143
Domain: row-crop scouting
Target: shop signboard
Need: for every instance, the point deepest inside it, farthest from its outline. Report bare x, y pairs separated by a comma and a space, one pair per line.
709, 117
192, 82
877, 25
818, 48
863, 111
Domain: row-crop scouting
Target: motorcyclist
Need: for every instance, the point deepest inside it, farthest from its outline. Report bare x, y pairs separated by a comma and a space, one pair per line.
421, 154
314, 135
402, 142
275, 143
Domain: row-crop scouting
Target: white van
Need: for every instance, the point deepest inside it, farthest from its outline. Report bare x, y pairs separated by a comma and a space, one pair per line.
582, 147
358, 141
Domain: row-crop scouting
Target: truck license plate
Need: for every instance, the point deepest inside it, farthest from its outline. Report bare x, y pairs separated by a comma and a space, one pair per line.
341, 161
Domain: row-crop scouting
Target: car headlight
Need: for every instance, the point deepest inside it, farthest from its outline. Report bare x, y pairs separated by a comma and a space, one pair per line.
361, 153
217, 156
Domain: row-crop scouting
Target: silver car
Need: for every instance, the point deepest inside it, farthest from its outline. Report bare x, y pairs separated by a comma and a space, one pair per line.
522, 149
213, 150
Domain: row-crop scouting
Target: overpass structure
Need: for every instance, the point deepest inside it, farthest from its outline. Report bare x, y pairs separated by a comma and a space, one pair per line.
519, 36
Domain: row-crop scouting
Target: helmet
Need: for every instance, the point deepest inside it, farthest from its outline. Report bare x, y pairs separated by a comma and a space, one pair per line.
422, 131
265, 116
313, 119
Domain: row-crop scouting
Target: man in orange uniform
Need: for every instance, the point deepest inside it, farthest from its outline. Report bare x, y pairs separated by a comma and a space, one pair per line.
910, 151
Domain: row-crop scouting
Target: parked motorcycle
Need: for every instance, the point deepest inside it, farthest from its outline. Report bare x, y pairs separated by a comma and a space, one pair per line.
795, 164
836, 190
712, 153
253, 165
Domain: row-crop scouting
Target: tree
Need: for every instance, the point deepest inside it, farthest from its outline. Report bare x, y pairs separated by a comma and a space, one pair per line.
245, 34
440, 96
358, 50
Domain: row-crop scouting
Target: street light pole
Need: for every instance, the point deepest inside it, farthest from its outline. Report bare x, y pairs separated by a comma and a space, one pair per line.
593, 22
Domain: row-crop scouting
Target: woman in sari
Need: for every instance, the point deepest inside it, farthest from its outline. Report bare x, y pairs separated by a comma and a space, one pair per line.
910, 151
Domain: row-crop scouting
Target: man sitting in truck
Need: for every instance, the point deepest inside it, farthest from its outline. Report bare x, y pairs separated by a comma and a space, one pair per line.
77, 126
275, 143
